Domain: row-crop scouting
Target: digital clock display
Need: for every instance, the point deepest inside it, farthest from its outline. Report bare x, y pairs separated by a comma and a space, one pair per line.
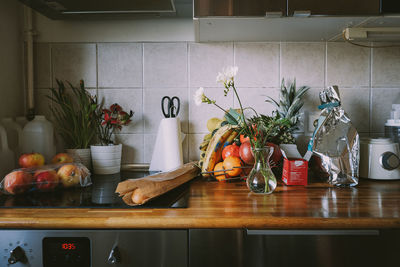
66, 252
68, 246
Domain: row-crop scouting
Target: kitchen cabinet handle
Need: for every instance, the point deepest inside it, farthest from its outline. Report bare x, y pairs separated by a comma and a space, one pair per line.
302, 13
313, 232
273, 14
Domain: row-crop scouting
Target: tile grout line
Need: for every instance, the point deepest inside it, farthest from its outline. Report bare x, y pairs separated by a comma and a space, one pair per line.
371, 58
326, 65
143, 119
188, 99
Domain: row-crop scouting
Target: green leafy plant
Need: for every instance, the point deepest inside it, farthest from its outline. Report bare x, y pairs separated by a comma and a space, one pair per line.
75, 114
290, 103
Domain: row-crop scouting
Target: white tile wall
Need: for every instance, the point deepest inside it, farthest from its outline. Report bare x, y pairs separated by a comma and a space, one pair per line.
138, 75
120, 65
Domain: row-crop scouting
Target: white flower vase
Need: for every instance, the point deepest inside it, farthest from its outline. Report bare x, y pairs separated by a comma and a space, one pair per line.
81, 156
106, 159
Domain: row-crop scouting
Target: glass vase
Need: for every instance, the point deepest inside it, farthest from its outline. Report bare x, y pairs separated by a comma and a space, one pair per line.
261, 179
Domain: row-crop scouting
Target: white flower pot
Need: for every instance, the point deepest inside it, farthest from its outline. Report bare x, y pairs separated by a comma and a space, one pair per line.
106, 159
81, 156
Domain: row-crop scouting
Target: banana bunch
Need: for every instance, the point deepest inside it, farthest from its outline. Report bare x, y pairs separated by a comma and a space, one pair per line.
222, 137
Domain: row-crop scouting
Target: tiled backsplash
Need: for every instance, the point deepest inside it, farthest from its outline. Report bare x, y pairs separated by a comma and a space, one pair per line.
138, 75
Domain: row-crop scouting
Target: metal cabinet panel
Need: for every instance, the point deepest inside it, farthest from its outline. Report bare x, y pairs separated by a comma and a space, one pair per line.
335, 7
216, 248
204, 8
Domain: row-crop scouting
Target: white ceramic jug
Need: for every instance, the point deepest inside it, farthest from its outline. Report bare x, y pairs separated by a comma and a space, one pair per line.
38, 136
14, 136
6, 155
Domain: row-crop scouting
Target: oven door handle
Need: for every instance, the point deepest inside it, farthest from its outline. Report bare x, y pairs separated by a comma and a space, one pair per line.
314, 232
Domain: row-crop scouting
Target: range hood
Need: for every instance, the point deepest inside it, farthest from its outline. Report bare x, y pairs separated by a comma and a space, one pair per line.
70, 9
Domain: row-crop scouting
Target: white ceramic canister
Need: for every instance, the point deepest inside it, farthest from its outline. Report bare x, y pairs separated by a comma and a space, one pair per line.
14, 136
7, 163
106, 159
38, 136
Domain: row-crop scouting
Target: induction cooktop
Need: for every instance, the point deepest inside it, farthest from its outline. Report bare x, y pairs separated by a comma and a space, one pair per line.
101, 194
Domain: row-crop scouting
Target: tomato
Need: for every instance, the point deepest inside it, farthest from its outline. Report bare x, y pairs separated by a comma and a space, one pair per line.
231, 150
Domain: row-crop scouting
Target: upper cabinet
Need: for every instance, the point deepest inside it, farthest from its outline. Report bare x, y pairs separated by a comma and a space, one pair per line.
334, 7
206, 8
210, 8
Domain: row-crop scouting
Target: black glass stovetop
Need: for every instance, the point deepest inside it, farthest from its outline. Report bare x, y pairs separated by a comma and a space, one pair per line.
101, 194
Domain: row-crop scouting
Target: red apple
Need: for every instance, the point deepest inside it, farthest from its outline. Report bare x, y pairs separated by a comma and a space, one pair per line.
46, 180
62, 158
17, 182
31, 160
246, 154
70, 175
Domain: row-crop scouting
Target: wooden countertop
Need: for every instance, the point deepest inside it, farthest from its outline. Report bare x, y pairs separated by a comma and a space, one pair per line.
370, 205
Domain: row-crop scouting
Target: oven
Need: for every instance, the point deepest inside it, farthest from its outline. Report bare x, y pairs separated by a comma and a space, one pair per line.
93, 248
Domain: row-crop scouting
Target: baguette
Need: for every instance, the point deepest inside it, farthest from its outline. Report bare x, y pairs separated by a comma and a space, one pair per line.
139, 191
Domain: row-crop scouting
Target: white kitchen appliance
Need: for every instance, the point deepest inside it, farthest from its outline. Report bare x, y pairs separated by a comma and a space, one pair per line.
379, 159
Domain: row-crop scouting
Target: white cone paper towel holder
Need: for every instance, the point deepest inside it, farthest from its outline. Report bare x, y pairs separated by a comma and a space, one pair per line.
167, 153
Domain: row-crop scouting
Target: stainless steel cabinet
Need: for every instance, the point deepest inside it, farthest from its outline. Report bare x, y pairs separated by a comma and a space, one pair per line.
309, 248
204, 8
335, 7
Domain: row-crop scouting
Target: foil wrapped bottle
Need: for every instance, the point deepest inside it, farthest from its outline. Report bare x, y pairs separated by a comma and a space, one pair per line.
335, 143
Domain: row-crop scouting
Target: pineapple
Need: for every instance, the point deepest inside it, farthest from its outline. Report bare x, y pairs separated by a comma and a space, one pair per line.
290, 102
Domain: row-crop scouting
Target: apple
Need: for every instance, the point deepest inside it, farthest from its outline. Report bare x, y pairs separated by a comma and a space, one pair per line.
70, 175
46, 180
246, 154
62, 158
17, 182
31, 160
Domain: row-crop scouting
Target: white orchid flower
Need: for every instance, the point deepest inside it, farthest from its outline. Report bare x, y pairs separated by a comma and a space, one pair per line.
198, 96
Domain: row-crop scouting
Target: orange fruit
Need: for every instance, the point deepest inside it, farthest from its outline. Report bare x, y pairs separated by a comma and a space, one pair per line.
230, 163
219, 172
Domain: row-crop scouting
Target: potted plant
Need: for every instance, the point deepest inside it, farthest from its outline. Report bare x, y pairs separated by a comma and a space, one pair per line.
106, 156
74, 112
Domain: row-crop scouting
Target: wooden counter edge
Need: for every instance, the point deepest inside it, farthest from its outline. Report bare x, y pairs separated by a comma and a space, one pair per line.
193, 223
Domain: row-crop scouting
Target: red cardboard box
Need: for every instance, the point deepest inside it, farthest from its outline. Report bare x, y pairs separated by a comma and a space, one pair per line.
295, 168
295, 171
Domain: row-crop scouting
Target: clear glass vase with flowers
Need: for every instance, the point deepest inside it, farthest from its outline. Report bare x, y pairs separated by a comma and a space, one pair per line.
260, 129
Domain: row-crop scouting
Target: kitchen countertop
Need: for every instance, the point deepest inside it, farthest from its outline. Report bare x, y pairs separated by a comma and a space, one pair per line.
370, 205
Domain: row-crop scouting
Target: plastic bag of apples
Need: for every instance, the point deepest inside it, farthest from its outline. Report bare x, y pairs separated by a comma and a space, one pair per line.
35, 175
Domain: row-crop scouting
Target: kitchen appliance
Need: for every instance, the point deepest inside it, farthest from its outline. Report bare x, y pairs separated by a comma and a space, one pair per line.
101, 194
392, 125
94, 248
379, 159
62, 9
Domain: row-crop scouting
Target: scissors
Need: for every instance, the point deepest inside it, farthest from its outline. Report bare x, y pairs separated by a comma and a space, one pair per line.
170, 106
